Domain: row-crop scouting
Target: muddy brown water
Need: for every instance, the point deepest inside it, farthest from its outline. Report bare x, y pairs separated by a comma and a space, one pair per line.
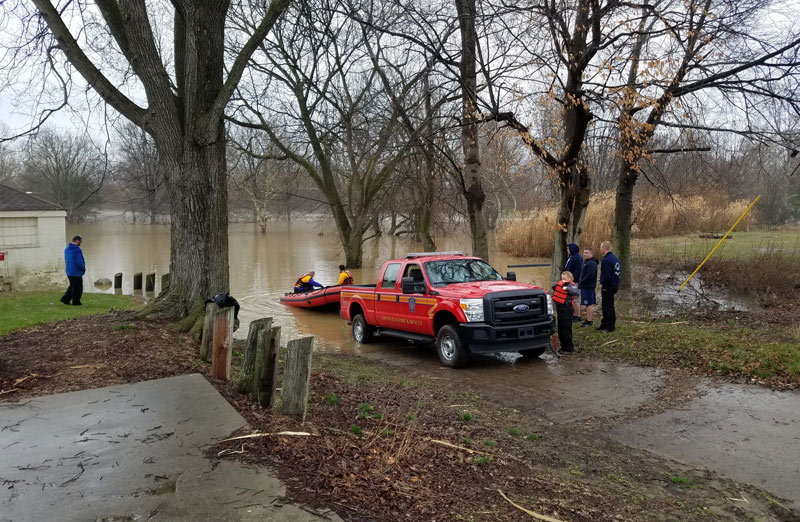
265, 266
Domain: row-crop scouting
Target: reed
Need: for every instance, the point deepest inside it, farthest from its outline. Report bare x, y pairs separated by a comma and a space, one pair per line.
654, 216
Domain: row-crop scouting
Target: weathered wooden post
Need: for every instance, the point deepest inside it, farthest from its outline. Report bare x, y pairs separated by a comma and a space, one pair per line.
208, 332
245, 382
297, 377
164, 282
118, 281
265, 376
137, 281
222, 344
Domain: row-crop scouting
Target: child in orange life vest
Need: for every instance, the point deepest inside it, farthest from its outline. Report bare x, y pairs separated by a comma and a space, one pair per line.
563, 293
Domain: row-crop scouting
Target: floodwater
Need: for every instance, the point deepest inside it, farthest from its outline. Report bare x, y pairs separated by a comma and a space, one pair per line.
265, 266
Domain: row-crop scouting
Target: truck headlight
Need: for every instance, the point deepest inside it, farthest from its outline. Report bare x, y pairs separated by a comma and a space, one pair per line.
549, 304
473, 309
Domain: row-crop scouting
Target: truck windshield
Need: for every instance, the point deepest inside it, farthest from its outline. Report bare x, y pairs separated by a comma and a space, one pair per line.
451, 271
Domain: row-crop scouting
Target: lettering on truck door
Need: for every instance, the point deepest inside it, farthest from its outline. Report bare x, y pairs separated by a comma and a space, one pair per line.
413, 312
386, 297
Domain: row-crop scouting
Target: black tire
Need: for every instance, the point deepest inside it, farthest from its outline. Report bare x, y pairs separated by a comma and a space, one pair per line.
532, 353
362, 332
452, 351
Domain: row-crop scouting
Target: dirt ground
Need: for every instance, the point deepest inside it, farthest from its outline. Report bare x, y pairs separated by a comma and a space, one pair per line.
389, 443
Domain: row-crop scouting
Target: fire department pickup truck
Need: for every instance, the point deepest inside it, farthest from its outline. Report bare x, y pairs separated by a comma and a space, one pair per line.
459, 302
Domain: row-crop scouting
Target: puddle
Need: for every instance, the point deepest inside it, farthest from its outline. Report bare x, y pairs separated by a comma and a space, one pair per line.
563, 390
747, 433
659, 296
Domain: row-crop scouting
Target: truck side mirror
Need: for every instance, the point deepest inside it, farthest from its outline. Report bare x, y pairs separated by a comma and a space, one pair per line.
511, 276
408, 285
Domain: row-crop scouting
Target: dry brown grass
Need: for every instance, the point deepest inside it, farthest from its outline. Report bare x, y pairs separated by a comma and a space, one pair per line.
653, 216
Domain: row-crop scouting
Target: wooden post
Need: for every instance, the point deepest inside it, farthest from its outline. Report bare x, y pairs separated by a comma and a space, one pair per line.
137, 281
297, 377
150, 283
117, 280
208, 332
222, 344
245, 382
265, 376
164, 282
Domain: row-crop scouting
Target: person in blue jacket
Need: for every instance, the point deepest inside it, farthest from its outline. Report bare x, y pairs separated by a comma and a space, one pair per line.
574, 266
76, 267
609, 280
588, 285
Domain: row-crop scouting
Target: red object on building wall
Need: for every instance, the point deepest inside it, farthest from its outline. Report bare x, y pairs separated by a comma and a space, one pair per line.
2, 256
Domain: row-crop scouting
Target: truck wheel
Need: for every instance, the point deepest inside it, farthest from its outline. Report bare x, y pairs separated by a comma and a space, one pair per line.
451, 350
362, 332
533, 353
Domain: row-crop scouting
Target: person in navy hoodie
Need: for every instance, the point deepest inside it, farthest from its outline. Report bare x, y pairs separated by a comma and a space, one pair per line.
574, 266
76, 267
609, 280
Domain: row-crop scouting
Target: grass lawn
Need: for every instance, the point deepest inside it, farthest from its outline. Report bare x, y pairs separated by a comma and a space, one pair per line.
741, 244
730, 349
23, 309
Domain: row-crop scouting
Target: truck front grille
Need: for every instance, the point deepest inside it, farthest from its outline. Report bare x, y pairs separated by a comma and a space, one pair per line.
509, 308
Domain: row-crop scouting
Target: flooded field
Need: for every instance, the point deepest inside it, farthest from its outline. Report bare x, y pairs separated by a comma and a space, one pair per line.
265, 266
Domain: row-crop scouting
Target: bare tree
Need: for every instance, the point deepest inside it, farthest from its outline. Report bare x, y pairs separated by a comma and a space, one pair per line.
138, 172
333, 116
688, 58
176, 90
64, 169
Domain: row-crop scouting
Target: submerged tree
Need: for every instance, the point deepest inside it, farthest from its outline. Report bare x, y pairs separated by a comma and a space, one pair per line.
162, 66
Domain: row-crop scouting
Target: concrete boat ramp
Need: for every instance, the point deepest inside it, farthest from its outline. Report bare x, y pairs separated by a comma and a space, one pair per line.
132, 452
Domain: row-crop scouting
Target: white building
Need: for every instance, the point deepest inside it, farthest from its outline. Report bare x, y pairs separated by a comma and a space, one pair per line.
32, 240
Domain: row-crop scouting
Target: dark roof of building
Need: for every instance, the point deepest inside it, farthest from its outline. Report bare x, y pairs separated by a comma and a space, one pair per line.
11, 199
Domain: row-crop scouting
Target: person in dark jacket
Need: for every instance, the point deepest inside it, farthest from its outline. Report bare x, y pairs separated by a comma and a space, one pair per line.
564, 293
76, 267
609, 280
574, 266
588, 285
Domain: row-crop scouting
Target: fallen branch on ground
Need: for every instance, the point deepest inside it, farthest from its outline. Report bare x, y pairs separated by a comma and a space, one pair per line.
12, 390
231, 452
611, 342
534, 514
449, 445
23, 379
281, 433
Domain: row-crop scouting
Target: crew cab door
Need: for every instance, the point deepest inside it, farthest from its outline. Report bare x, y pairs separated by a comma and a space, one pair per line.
415, 306
387, 295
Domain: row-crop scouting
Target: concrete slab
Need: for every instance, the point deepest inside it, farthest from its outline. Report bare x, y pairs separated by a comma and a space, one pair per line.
132, 452
747, 433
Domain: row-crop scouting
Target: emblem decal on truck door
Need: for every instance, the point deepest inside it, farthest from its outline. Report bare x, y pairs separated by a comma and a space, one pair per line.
412, 303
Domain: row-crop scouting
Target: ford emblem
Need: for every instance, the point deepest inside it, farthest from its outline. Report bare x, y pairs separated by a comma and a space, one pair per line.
520, 308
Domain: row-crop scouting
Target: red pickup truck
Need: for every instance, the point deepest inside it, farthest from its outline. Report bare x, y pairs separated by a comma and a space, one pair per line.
459, 302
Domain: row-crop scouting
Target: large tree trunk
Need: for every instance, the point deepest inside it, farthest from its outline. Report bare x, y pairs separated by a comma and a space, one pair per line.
199, 228
192, 151
473, 185
623, 221
575, 192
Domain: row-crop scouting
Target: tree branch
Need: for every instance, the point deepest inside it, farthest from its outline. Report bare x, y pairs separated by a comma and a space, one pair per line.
276, 8
69, 46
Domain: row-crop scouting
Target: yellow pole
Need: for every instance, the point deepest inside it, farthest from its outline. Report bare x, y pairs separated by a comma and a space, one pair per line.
720, 242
